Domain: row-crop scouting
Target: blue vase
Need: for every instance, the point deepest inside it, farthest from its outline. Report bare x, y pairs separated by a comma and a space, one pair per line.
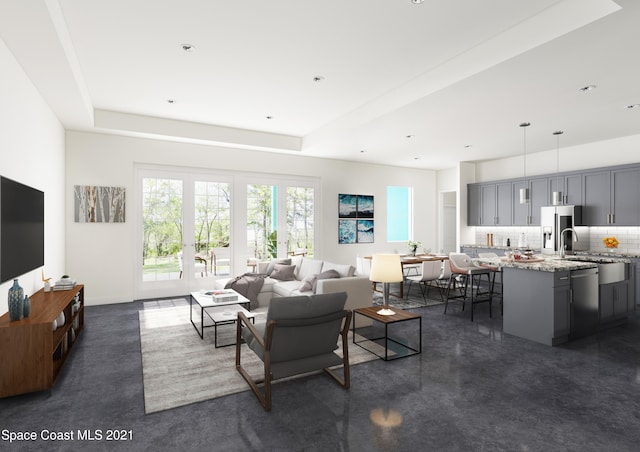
26, 306
16, 301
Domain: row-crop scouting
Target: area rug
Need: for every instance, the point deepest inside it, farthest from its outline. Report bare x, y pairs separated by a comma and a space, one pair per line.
179, 368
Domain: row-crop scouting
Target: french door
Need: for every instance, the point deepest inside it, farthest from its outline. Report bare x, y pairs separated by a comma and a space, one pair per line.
195, 226
184, 231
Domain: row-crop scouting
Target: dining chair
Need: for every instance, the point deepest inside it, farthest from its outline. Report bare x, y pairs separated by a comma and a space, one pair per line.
431, 273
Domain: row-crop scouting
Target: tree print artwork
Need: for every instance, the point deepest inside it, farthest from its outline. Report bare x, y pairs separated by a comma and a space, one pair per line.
93, 204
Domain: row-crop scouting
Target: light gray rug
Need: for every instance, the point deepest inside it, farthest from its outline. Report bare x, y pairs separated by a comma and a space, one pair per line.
179, 368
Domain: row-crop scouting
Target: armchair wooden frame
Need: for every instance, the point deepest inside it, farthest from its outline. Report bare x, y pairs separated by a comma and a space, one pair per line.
266, 343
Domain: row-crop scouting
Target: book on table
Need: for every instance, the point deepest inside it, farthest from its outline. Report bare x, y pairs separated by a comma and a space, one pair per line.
224, 295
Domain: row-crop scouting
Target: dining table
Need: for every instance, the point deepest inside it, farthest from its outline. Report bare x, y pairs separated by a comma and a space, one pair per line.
407, 260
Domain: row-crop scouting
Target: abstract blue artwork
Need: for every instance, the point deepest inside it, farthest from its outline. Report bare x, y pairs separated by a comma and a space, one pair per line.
352, 227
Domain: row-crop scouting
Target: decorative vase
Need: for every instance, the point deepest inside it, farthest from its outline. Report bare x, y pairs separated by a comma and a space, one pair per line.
26, 307
16, 301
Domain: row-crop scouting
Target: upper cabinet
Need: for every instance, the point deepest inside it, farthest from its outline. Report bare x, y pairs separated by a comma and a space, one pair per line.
529, 214
611, 197
608, 196
489, 204
570, 185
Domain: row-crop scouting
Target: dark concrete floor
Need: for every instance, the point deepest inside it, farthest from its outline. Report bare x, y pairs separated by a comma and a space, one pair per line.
471, 389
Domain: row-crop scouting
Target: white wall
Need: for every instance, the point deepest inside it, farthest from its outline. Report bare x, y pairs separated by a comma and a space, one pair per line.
102, 255
32, 152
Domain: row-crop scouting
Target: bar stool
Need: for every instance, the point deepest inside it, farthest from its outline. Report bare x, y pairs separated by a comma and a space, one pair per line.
496, 273
469, 275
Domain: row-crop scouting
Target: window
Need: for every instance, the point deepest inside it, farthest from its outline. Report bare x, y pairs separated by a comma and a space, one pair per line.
399, 214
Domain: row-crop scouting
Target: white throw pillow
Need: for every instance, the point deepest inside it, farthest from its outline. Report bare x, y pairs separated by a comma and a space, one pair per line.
309, 267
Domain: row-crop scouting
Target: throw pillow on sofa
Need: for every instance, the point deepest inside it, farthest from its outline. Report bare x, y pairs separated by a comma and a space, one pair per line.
283, 272
329, 274
273, 263
307, 283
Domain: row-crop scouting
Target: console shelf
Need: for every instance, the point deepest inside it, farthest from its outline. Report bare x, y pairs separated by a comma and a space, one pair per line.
33, 354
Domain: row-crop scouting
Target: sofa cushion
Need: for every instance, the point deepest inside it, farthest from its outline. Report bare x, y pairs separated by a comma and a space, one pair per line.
329, 274
309, 267
345, 270
287, 288
283, 272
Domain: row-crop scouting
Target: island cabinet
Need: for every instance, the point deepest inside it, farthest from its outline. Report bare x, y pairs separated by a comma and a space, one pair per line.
33, 351
537, 305
614, 301
611, 197
529, 214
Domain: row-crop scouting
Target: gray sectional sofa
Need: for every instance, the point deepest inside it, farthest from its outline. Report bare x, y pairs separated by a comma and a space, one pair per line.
300, 274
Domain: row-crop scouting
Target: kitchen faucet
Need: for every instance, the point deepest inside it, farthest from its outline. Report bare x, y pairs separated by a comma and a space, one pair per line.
562, 245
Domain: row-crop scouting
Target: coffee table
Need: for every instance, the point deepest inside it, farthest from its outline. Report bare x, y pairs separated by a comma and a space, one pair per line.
400, 347
218, 312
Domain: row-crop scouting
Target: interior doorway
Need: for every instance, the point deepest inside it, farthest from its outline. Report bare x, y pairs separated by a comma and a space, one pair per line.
448, 226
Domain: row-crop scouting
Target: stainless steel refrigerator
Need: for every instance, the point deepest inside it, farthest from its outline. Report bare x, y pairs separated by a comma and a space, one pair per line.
554, 220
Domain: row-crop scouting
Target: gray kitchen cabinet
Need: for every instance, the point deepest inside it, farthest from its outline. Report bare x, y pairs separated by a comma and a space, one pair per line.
614, 301
474, 203
611, 197
571, 187
504, 204
561, 306
529, 214
489, 204
469, 251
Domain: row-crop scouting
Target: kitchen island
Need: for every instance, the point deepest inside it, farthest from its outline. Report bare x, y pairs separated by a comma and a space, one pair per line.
551, 300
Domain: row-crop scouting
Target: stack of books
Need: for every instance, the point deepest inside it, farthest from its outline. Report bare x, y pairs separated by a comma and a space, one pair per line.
225, 295
64, 284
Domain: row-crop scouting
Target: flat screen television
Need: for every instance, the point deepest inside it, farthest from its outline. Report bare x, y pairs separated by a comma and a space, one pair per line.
21, 229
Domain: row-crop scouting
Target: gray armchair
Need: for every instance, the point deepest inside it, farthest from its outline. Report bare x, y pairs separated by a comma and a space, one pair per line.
300, 335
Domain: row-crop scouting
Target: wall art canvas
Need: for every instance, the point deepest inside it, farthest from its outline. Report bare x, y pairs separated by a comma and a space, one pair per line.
365, 206
347, 231
94, 204
365, 231
355, 218
347, 206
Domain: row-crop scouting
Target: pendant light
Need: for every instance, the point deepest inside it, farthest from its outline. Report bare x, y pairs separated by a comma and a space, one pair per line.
524, 192
557, 195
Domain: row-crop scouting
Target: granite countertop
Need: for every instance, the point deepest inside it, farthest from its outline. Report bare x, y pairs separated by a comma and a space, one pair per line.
548, 264
603, 253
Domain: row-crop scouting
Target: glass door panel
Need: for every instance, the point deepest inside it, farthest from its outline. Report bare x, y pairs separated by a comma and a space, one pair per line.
262, 221
212, 228
300, 224
162, 228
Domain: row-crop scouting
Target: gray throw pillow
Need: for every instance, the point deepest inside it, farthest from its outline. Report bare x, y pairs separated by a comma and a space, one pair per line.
329, 274
307, 283
273, 263
283, 272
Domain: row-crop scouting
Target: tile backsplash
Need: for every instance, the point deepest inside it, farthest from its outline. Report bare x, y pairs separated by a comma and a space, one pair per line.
591, 237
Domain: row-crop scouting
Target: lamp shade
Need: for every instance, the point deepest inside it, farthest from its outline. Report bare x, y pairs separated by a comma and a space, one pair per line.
386, 268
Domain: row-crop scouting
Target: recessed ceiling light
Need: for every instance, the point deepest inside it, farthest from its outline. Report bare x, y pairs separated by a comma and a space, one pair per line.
633, 106
468, 146
269, 117
363, 151
410, 136
187, 47
318, 78
171, 101
587, 88
417, 2
416, 158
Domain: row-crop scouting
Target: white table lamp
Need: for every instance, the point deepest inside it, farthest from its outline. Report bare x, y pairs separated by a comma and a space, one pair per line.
386, 269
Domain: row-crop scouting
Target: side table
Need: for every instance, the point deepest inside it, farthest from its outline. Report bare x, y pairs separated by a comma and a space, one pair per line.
399, 348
